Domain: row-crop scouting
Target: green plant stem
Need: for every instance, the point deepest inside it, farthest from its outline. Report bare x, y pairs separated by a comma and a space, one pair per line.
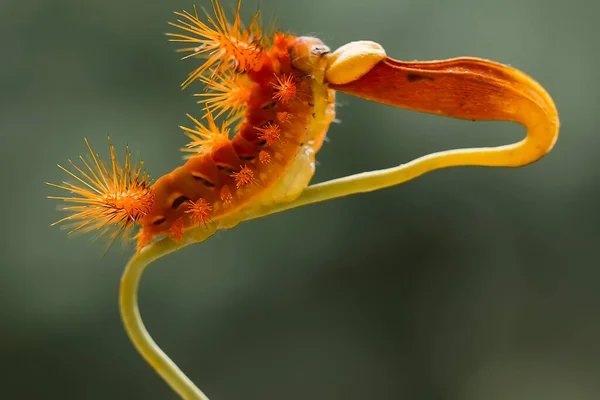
134, 325
130, 280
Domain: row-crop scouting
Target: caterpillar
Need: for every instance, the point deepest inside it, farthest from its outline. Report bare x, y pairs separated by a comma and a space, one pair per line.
272, 86
277, 91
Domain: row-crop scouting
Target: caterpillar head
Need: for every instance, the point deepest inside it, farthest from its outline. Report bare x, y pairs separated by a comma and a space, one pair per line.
309, 55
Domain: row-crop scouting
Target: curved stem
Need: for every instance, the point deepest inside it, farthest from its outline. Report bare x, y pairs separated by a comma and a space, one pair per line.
134, 325
128, 300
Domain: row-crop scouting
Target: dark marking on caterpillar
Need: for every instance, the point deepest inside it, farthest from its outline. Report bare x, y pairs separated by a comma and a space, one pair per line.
159, 221
204, 181
226, 169
269, 106
178, 201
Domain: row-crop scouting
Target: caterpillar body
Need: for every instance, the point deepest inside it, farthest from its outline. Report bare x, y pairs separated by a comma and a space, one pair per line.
274, 90
272, 156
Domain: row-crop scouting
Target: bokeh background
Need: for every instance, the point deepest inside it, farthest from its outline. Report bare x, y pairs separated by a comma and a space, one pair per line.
464, 284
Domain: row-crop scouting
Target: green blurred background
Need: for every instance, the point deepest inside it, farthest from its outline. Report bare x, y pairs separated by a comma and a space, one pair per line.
467, 283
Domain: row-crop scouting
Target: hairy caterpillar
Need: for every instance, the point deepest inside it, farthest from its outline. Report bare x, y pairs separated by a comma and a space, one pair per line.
285, 119
273, 86
277, 93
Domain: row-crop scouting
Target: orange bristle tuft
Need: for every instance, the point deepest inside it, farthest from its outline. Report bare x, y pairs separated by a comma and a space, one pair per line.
176, 230
226, 196
264, 157
285, 89
283, 117
280, 40
200, 210
112, 197
244, 177
224, 45
270, 133
228, 92
205, 138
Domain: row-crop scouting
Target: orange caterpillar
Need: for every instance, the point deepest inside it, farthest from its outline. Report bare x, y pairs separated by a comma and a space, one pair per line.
274, 85
277, 92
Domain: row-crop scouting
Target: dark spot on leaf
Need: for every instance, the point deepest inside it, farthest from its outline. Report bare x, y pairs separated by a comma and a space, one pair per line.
412, 77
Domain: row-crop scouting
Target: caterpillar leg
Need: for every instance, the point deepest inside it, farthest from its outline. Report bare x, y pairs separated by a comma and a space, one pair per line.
465, 88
